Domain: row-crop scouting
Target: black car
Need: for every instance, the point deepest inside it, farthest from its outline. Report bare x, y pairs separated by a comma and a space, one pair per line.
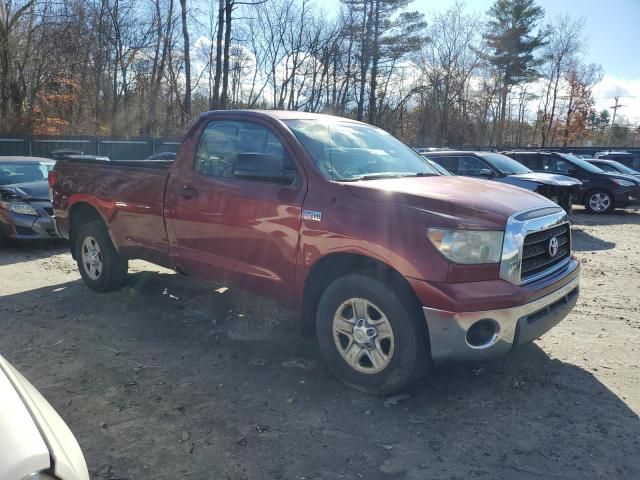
25, 206
614, 167
494, 166
600, 191
631, 160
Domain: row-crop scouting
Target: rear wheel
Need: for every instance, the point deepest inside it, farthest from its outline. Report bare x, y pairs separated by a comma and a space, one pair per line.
599, 201
101, 266
371, 335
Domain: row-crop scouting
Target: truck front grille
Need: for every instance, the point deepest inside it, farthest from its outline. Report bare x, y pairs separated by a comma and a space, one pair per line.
537, 251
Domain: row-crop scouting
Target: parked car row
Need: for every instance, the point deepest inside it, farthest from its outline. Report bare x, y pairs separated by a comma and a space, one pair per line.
600, 192
495, 166
598, 184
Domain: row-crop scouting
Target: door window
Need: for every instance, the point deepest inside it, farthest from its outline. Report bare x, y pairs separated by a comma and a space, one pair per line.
467, 166
562, 166
531, 160
450, 163
223, 141
471, 166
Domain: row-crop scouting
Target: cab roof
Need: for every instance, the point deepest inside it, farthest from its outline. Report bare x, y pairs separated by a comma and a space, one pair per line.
281, 115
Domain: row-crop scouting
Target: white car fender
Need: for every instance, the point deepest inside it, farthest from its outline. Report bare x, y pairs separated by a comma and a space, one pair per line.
60, 444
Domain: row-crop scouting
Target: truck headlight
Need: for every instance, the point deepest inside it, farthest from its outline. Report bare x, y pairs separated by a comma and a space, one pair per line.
623, 183
468, 246
20, 207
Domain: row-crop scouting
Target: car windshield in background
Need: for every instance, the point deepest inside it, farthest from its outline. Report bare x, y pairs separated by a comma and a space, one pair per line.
346, 151
11, 173
617, 166
579, 162
506, 165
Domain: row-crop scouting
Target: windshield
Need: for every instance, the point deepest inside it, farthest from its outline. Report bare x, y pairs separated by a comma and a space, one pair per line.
579, 162
346, 151
506, 165
617, 167
11, 173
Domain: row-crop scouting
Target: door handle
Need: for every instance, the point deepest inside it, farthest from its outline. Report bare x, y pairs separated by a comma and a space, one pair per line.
188, 192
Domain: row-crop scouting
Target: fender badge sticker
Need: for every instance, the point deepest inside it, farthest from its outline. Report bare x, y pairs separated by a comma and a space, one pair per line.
312, 215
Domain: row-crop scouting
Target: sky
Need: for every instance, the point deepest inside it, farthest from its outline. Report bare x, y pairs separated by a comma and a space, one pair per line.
612, 31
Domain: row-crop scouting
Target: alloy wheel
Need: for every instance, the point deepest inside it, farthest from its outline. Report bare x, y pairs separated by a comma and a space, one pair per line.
363, 335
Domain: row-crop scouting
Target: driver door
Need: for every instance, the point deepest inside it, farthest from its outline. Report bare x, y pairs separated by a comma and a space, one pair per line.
243, 233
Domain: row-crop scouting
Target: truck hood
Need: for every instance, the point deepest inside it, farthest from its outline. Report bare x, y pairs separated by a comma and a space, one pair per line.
469, 203
37, 191
548, 179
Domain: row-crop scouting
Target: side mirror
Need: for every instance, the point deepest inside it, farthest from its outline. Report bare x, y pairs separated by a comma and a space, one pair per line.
262, 167
572, 171
485, 172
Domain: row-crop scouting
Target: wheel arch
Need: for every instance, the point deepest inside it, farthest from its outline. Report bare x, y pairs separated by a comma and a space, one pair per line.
335, 265
80, 213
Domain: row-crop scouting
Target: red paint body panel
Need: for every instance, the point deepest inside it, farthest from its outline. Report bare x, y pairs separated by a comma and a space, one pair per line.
251, 235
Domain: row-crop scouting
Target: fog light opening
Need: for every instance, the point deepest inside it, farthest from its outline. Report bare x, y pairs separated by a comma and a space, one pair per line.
482, 334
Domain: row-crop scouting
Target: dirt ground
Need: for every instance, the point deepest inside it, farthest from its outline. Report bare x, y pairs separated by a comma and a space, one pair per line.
169, 379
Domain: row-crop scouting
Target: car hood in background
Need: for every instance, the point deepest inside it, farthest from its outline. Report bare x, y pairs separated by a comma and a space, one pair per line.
471, 203
621, 176
548, 179
28, 191
52, 431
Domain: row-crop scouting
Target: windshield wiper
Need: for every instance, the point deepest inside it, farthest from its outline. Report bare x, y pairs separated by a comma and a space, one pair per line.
378, 176
383, 175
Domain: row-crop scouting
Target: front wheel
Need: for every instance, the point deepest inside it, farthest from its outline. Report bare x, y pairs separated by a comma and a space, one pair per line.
101, 266
371, 335
599, 201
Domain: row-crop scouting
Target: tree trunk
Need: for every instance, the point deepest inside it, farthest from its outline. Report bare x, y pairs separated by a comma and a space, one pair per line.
374, 63
215, 102
227, 46
187, 64
365, 55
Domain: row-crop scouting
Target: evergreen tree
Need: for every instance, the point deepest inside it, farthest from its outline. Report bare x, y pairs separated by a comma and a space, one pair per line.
512, 38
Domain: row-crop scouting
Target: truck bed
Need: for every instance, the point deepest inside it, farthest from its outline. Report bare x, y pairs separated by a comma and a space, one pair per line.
129, 196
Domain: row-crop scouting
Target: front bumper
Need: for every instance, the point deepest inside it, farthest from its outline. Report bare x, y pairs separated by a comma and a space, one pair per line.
627, 197
27, 227
448, 331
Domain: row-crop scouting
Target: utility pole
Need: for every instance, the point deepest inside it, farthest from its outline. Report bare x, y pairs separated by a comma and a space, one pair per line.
615, 109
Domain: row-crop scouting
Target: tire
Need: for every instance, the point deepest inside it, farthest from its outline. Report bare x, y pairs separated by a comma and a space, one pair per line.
599, 201
101, 266
400, 346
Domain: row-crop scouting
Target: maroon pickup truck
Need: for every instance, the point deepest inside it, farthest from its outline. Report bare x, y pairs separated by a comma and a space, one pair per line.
393, 266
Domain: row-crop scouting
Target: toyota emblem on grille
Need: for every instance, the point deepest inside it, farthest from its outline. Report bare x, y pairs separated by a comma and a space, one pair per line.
553, 246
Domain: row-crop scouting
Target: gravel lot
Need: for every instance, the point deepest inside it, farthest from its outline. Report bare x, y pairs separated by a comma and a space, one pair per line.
170, 379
